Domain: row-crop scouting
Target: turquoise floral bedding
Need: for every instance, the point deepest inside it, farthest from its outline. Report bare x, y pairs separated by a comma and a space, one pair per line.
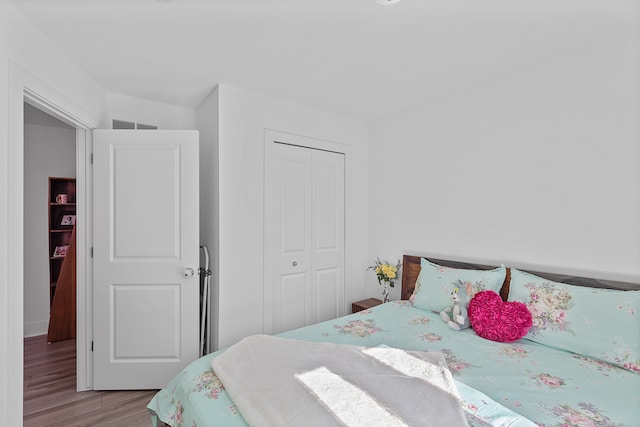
551, 387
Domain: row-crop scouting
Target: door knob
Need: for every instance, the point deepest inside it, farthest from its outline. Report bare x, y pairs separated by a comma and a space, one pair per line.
188, 272
294, 263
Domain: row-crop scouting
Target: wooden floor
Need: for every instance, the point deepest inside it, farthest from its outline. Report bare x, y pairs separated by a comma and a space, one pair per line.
50, 397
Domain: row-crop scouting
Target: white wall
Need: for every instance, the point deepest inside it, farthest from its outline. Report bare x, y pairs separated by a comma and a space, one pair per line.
208, 125
49, 150
23, 44
132, 109
243, 118
540, 166
23, 47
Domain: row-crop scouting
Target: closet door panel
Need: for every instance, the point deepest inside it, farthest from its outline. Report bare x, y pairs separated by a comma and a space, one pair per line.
328, 234
291, 209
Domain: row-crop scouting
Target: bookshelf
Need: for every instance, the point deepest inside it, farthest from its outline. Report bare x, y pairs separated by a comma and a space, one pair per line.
62, 215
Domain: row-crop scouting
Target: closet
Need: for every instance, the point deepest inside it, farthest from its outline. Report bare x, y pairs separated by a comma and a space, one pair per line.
304, 236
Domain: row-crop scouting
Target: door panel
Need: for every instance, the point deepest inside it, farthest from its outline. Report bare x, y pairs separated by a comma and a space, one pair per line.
293, 205
145, 237
328, 237
154, 194
157, 308
327, 201
293, 310
296, 201
327, 288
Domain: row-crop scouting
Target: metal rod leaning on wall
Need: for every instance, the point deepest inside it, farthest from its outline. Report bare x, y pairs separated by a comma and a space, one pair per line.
205, 307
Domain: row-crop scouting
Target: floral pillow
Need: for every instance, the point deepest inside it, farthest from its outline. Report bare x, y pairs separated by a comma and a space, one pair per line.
598, 323
435, 283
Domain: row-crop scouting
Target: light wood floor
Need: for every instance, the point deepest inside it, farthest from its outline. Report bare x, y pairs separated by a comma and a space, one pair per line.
50, 397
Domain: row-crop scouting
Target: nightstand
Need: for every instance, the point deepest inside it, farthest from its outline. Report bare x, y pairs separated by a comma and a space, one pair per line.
365, 304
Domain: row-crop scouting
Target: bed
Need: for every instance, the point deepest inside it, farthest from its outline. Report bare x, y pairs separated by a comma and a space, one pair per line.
578, 365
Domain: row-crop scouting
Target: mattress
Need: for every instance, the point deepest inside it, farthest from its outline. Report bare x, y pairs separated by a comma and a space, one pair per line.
497, 381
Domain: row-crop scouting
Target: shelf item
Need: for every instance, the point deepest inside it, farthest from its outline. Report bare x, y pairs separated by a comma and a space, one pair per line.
60, 251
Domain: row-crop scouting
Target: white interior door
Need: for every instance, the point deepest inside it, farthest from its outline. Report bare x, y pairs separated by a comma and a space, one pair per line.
146, 256
304, 213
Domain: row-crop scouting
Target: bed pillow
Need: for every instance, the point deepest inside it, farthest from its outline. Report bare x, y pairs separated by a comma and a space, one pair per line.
597, 323
496, 320
435, 283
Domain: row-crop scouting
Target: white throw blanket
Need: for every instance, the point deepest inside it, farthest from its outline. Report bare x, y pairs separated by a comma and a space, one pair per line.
281, 382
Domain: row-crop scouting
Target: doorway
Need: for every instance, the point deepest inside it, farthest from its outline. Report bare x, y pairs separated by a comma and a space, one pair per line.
52, 114
49, 151
26, 87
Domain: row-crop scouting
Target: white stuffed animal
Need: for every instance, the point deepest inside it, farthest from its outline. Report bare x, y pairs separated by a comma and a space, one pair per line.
458, 319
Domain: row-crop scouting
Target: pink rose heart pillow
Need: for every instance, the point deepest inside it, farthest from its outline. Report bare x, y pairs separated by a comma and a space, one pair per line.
497, 320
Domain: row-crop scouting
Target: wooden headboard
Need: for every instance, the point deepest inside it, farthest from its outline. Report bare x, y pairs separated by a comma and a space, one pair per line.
411, 269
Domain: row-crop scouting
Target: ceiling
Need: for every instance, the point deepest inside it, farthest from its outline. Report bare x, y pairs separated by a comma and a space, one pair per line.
351, 57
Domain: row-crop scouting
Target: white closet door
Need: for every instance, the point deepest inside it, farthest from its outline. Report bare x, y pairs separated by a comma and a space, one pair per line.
304, 237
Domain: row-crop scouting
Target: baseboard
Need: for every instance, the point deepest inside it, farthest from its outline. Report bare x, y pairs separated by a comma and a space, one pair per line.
33, 329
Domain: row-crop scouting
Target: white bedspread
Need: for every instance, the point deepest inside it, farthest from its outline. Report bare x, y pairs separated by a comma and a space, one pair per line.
281, 382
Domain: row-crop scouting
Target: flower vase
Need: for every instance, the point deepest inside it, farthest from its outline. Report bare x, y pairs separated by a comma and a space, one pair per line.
385, 293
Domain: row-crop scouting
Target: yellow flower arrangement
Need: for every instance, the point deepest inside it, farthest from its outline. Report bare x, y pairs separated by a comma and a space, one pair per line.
385, 272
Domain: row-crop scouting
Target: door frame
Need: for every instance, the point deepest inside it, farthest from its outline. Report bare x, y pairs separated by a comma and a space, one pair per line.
26, 87
272, 137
